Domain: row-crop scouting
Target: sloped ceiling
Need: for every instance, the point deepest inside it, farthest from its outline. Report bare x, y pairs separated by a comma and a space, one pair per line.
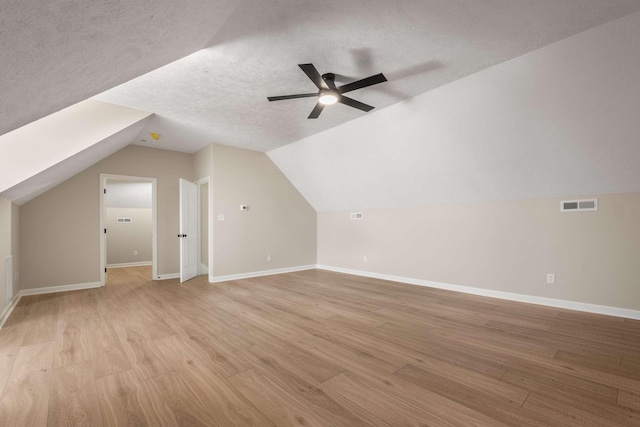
36, 157
560, 121
220, 92
59, 52
229, 55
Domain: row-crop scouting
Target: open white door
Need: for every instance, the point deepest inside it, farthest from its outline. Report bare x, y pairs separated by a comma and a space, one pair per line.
188, 230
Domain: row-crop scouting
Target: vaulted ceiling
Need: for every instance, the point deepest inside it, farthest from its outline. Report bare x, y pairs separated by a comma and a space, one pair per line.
205, 68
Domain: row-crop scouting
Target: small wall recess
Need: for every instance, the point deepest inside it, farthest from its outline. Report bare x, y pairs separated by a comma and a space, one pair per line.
579, 205
356, 215
244, 207
124, 220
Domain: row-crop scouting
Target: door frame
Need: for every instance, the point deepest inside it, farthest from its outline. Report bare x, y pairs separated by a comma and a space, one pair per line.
103, 219
200, 182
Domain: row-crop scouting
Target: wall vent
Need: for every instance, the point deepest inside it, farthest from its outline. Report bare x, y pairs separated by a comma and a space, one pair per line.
356, 215
579, 205
123, 219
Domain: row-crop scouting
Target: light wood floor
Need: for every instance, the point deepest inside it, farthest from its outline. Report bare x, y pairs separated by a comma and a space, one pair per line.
310, 348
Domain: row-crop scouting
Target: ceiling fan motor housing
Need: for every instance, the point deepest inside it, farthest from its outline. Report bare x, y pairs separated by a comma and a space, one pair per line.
329, 77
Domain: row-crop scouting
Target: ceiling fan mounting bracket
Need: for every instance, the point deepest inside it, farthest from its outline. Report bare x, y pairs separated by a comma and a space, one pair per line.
329, 77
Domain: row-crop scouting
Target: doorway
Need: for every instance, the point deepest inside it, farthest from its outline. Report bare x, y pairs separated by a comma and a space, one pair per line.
128, 223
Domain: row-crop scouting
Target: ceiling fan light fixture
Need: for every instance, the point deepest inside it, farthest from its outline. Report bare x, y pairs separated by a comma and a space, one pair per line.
328, 97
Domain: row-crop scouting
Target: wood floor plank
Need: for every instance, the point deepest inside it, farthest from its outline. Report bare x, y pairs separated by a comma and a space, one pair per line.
222, 401
217, 354
10, 342
538, 378
41, 322
313, 396
174, 404
106, 351
566, 414
382, 405
578, 399
502, 410
74, 398
71, 345
26, 398
281, 407
310, 348
629, 400
124, 402
144, 356
423, 399
306, 365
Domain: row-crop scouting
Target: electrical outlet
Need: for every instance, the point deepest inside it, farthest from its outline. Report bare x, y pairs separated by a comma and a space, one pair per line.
365, 259
135, 253
551, 278
268, 257
220, 217
244, 207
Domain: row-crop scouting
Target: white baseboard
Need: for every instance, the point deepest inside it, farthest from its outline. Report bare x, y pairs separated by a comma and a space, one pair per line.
47, 290
61, 288
550, 302
167, 276
8, 309
129, 264
216, 279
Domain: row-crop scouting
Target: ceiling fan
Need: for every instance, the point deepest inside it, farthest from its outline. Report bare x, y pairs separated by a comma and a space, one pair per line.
328, 93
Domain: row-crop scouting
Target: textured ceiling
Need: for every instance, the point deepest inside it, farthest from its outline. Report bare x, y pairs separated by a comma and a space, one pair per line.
219, 94
56, 53
561, 121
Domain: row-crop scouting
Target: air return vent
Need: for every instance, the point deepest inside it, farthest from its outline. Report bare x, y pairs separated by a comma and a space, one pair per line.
124, 219
356, 215
579, 205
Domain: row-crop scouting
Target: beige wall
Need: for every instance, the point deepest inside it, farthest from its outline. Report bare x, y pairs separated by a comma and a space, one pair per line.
9, 213
203, 163
279, 221
125, 238
59, 230
503, 246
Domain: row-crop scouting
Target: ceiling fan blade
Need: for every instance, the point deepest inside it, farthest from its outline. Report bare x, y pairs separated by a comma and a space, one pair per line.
300, 95
369, 81
316, 111
314, 75
355, 104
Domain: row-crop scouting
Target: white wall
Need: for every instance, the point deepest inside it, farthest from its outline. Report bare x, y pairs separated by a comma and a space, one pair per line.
562, 120
461, 185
